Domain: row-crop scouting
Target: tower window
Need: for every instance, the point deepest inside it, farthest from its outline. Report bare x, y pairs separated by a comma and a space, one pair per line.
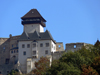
23, 46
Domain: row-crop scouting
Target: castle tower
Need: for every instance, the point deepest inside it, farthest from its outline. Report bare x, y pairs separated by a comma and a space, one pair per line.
34, 42
33, 21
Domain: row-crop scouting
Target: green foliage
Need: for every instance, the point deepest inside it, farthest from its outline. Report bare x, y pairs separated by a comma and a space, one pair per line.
14, 72
62, 68
85, 61
74, 58
97, 48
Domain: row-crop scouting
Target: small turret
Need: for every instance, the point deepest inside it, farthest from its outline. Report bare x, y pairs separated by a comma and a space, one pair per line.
10, 36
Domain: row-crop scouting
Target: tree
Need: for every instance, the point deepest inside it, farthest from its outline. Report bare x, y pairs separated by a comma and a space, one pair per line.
41, 66
87, 53
62, 68
74, 58
87, 70
96, 64
14, 72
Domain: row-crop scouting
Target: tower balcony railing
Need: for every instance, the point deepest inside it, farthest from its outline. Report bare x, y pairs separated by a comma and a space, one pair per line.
31, 22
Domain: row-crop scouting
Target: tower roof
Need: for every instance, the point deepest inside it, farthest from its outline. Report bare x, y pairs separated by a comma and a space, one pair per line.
33, 13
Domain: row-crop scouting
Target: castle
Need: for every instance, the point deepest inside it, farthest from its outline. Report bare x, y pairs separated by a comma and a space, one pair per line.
20, 52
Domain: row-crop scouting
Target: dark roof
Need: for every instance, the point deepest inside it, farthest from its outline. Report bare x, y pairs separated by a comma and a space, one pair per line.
33, 13
46, 35
36, 36
24, 36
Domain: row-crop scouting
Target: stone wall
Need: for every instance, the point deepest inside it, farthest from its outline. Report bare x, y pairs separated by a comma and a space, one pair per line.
74, 46
7, 63
57, 55
4, 50
59, 46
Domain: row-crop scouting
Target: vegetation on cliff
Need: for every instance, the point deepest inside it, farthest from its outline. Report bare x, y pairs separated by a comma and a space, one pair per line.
85, 61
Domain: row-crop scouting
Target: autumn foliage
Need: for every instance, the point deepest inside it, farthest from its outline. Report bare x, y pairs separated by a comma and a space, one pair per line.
87, 70
96, 64
85, 61
41, 66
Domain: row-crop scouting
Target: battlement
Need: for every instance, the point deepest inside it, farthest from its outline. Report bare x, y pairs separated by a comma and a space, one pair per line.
74, 46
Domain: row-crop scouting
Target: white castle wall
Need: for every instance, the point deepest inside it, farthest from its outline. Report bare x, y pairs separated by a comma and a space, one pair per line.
23, 59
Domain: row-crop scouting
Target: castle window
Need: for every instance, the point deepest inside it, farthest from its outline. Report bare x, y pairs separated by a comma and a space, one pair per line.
74, 46
41, 45
34, 45
16, 45
6, 61
14, 51
34, 56
59, 46
47, 44
12, 45
24, 53
28, 45
23, 46
34, 52
11, 51
17, 51
3, 47
46, 51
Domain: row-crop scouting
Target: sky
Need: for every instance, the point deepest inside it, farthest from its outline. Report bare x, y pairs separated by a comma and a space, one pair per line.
69, 21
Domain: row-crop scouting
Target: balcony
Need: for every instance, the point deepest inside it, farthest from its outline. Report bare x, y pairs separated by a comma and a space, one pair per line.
35, 22
35, 53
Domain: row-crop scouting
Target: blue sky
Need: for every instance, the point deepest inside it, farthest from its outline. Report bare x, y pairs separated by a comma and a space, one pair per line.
69, 21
